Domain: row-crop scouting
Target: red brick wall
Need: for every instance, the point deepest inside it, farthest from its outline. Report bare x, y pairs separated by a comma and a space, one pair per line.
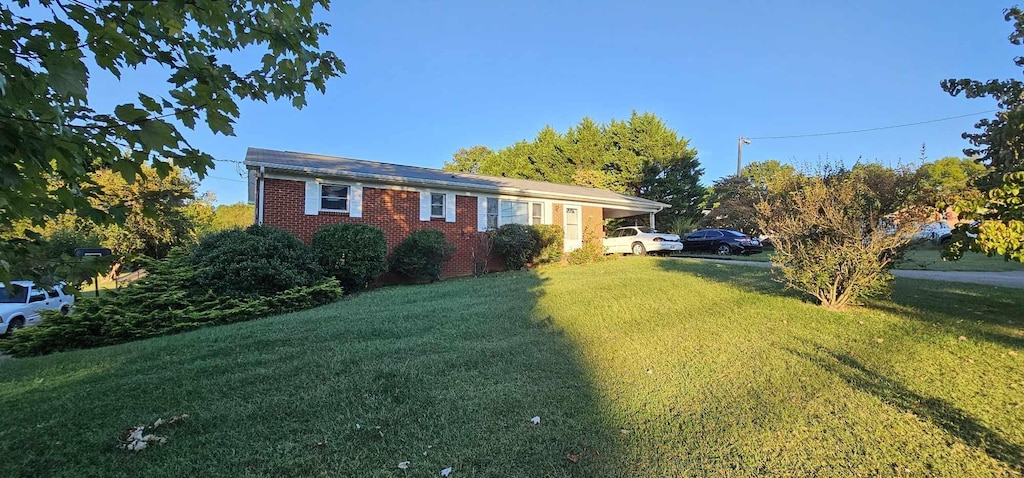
395, 212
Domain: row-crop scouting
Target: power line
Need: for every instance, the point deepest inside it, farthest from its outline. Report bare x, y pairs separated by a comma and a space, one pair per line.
227, 179
873, 129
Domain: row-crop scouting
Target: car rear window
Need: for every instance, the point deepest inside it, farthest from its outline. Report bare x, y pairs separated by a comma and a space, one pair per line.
17, 295
734, 234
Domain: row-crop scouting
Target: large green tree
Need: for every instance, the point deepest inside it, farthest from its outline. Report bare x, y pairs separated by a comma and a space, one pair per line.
50, 50
948, 181
159, 212
470, 160
640, 156
228, 216
999, 145
733, 199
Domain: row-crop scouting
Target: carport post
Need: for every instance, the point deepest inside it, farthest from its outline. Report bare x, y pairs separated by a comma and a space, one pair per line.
652, 220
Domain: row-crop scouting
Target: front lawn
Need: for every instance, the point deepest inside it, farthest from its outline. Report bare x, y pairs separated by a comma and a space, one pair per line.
916, 258
930, 258
636, 367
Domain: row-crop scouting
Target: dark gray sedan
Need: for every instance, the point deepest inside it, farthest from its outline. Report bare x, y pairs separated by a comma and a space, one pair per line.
723, 242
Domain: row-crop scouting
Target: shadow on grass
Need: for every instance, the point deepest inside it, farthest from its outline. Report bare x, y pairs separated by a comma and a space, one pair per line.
441, 375
978, 312
751, 279
941, 413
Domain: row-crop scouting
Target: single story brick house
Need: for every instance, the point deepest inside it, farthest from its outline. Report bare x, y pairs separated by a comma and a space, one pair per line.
302, 192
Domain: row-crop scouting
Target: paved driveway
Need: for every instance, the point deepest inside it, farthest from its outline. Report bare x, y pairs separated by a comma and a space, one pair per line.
1013, 279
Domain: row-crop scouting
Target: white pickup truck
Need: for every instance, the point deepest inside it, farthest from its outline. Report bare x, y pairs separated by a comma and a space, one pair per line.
20, 306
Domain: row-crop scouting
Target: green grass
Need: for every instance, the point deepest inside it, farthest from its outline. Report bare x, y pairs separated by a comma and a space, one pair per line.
762, 257
918, 258
710, 369
929, 258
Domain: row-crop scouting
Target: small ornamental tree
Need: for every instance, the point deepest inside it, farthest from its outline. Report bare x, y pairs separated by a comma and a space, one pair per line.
548, 241
590, 251
422, 255
355, 254
833, 241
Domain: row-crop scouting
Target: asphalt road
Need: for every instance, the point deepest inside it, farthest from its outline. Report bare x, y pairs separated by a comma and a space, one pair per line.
1013, 279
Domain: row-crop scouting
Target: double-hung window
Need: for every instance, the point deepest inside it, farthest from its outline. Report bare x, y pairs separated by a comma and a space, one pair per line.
334, 197
521, 212
515, 212
492, 213
437, 204
536, 213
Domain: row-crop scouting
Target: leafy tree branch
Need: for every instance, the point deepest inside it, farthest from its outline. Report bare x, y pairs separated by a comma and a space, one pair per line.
49, 132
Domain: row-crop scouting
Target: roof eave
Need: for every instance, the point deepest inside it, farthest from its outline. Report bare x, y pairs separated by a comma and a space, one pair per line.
645, 205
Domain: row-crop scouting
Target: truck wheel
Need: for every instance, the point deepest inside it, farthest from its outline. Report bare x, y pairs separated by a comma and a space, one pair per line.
16, 323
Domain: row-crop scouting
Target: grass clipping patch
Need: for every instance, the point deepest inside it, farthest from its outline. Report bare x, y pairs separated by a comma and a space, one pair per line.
167, 301
137, 439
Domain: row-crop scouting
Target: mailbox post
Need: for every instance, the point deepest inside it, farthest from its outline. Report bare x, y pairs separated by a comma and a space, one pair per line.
93, 252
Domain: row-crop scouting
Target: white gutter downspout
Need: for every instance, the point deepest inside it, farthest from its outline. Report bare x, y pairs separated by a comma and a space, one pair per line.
259, 208
652, 216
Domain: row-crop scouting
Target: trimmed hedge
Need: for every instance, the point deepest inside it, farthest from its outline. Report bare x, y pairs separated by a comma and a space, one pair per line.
422, 255
166, 301
515, 244
258, 261
519, 244
355, 254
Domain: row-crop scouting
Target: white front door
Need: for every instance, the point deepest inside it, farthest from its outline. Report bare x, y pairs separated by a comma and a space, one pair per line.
573, 228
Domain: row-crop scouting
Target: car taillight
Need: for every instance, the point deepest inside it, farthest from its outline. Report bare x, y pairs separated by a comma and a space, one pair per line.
658, 239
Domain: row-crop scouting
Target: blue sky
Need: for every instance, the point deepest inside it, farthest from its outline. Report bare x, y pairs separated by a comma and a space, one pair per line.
427, 78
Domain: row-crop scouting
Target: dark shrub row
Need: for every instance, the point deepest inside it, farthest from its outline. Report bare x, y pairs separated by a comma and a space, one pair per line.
236, 275
169, 300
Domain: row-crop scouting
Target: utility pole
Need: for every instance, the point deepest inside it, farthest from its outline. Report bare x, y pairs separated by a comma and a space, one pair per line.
739, 153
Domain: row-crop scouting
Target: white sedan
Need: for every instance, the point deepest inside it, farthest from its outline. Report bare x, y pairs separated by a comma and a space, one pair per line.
937, 232
640, 240
20, 306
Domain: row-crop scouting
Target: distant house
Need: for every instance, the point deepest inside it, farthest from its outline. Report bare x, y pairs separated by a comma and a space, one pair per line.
302, 192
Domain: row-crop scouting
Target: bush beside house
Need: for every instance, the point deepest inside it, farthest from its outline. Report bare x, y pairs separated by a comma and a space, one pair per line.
258, 261
515, 244
355, 254
422, 255
549, 242
519, 245
591, 251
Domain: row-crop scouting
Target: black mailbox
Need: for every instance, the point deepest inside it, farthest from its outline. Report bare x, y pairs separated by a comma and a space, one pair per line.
91, 252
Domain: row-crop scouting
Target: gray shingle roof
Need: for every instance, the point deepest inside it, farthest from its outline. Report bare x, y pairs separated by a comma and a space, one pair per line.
315, 164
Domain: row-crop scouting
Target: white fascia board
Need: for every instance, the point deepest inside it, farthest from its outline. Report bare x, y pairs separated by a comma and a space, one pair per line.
401, 183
